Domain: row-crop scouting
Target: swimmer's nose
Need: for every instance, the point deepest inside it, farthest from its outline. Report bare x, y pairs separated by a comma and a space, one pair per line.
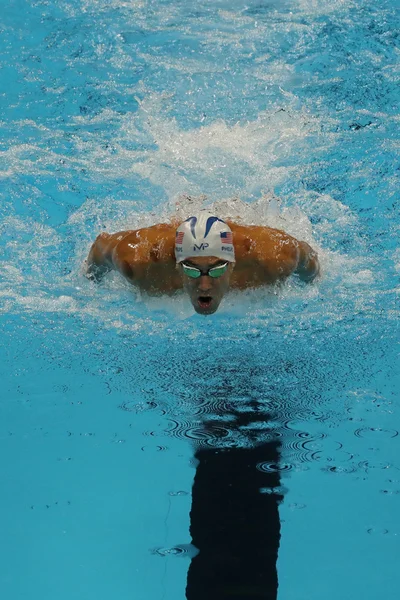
205, 283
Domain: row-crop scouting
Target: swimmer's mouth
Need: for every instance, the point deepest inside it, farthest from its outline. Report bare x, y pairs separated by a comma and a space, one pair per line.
204, 301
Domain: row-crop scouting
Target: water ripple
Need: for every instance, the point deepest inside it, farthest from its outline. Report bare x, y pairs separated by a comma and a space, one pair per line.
188, 550
375, 433
268, 467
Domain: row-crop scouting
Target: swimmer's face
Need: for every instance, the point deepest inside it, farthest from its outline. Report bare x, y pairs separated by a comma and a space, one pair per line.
206, 292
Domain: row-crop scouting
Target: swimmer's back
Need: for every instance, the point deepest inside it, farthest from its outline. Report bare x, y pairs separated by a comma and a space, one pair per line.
146, 256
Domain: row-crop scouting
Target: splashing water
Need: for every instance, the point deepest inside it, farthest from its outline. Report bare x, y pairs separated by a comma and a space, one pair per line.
122, 114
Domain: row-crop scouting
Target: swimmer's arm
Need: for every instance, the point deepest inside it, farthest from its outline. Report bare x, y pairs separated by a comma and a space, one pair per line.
283, 255
99, 262
307, 264
115, 252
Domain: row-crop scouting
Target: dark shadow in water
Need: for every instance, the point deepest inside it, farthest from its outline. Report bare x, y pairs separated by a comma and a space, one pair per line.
234, 519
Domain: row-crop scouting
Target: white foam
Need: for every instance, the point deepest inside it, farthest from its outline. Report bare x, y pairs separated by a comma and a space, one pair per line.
396, 259
37, 288
218, 159
316, 8
230, 167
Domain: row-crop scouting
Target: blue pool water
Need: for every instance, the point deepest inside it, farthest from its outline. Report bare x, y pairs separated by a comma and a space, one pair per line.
149, 453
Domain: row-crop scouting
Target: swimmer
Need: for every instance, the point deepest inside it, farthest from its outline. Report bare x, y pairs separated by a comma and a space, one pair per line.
203, 255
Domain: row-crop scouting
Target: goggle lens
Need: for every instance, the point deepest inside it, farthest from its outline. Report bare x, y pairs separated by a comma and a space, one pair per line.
218, 271
214, 272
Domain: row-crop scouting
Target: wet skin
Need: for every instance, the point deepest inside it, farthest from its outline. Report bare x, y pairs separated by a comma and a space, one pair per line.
145, 257
206, 292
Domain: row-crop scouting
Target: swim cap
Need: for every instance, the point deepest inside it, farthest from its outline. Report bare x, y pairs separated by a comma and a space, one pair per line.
204, 235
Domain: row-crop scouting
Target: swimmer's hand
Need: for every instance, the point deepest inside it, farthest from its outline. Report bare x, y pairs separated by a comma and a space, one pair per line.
308, 264
93, 272
98, 262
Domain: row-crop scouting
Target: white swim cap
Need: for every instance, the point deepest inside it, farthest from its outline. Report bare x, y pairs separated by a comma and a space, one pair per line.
204, 235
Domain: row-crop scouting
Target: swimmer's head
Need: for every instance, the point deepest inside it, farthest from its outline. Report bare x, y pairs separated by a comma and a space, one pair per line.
204, 235
205, 256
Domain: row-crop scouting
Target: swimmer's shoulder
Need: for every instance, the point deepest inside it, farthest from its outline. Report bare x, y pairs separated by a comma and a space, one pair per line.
257, 237
145, 245
271, 249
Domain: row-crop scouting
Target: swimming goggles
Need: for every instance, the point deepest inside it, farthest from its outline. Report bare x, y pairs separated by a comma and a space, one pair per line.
214, 272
